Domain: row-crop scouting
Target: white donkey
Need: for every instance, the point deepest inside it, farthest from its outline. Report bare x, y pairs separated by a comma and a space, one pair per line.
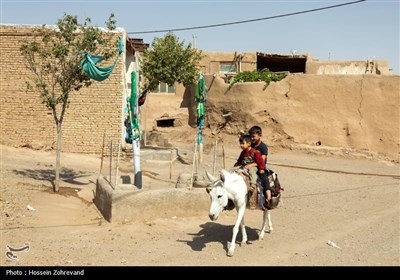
232, 187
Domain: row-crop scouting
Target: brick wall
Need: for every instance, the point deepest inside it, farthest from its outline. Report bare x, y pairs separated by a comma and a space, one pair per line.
25, 120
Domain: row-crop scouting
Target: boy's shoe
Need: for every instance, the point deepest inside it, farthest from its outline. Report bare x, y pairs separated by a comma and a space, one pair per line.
275, 201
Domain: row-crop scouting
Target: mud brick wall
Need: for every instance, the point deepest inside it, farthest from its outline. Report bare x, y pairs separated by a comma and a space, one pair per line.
25, 121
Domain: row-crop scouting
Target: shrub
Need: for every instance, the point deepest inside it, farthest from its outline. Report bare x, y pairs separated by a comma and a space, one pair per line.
264, 75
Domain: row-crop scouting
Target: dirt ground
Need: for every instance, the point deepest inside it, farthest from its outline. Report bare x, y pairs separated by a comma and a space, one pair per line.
350, 201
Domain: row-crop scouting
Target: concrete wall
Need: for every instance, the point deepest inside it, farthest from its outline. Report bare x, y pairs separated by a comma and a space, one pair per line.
25, 121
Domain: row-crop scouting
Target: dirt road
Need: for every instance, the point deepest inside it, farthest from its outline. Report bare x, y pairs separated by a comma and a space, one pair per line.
358, 213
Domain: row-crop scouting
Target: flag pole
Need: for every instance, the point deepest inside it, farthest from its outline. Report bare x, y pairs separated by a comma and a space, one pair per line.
134, 117
200, 97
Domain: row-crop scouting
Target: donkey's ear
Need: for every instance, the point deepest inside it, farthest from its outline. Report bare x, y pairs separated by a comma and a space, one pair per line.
222, 175
211, 177
208, 190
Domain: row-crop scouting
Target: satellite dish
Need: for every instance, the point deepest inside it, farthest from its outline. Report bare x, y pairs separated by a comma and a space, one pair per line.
293, 52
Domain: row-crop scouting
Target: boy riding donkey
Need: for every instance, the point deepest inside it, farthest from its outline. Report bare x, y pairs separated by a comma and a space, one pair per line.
251, 161
271, 188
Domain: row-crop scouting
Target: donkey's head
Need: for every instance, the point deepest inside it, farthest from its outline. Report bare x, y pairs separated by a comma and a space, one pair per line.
218, 195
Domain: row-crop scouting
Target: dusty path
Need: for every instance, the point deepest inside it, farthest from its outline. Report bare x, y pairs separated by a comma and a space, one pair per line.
359, 213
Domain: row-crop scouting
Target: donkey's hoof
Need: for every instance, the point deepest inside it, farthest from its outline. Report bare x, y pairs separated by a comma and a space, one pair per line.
230, 254
261, 237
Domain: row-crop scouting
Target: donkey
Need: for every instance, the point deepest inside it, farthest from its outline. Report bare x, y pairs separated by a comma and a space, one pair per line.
232, 187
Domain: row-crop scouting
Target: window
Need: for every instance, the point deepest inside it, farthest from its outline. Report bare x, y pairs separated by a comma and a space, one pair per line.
227, 67
164, 88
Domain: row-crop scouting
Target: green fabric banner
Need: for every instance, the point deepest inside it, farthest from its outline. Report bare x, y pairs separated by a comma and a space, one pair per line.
200, 98
134, 108
89, 64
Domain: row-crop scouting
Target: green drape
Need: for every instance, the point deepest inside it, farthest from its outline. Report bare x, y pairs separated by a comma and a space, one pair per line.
89, 64
200, 97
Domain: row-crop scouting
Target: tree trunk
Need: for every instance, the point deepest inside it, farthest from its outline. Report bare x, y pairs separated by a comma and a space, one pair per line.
58, 158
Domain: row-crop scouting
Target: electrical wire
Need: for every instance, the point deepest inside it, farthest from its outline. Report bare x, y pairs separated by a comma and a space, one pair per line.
246, 21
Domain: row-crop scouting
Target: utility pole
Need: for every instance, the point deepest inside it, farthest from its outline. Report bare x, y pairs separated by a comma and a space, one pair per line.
194, 40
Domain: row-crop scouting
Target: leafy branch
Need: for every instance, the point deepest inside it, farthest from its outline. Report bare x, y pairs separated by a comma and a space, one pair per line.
265, 75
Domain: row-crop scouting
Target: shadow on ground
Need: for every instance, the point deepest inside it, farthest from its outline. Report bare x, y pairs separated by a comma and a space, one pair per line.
67, 175
213, 232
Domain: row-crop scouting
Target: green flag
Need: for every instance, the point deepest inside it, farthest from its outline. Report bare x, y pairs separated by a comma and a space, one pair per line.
134, 108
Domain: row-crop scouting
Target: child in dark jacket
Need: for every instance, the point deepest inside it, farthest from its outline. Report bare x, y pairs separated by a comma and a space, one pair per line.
255, 133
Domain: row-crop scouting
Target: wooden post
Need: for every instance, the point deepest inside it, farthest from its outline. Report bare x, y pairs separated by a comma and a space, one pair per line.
170, 168
223, 155
102, 153
116, 174
201, 153
215, 156
194, 164
145, 120
111, 152
197, 161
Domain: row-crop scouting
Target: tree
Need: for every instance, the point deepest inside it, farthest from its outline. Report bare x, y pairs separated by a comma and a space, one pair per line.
170, 61
54, 57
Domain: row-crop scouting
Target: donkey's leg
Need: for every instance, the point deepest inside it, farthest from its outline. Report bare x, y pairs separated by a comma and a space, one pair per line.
269, 221
244, 234
235, 230
266, 219
262, 232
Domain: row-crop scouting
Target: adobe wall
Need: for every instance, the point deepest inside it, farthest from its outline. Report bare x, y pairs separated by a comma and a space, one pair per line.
211, 62
25, 121
350, 111
380, 67
354, 111
179, 106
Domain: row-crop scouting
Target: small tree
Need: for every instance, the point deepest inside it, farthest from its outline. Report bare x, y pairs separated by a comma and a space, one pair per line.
170, 61
54, 58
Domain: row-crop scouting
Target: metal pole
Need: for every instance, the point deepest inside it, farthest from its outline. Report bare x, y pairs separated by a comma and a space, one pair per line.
136, 162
